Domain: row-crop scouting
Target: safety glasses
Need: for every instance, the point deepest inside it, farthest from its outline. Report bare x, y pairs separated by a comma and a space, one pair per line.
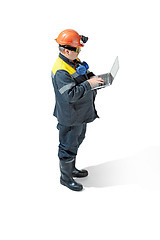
78, 49
74, 49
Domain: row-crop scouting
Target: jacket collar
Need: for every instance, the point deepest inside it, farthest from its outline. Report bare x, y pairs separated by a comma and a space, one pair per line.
66, 60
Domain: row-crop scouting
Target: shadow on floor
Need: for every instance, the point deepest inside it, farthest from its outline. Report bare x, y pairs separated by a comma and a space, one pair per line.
143, 168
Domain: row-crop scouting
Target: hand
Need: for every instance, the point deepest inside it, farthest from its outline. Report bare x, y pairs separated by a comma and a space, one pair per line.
94, 80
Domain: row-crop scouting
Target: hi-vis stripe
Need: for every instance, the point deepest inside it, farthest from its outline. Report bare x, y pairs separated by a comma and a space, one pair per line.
52, 75
74, 75
61, 65
66, 87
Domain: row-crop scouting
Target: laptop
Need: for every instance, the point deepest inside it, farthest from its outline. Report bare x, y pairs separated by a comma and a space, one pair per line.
108, 77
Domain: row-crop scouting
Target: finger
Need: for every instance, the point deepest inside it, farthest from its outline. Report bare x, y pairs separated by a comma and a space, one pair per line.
100, 80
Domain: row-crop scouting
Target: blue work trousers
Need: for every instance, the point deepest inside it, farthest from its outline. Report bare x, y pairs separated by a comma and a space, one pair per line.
70, 139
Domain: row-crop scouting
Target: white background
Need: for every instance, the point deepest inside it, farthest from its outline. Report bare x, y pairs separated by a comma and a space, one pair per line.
121, 149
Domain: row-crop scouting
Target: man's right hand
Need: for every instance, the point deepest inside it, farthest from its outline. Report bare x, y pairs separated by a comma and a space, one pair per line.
94, 80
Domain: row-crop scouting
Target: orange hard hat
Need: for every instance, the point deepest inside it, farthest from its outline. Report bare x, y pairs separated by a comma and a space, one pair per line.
69, 37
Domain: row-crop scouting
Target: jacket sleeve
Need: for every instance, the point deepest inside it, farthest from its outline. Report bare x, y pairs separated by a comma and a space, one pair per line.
68, 88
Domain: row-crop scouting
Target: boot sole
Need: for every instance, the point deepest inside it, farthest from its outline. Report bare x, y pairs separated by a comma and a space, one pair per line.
79, 176
74, 189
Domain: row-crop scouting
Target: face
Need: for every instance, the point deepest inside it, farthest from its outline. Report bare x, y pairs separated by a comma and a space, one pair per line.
71, 55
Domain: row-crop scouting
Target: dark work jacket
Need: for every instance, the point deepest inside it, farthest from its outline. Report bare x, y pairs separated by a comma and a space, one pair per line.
74, 95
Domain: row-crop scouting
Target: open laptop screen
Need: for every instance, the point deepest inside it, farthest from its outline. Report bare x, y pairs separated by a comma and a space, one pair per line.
115, 68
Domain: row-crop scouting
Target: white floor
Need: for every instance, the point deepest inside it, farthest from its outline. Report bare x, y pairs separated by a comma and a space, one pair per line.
120, 199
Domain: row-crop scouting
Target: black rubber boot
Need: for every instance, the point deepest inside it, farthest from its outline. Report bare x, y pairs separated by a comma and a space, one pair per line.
66, 179
78, 173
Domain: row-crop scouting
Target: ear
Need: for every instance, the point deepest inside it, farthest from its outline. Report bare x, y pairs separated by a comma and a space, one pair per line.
67, 52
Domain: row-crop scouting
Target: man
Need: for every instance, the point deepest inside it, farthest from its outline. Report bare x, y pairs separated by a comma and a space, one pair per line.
74, 107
